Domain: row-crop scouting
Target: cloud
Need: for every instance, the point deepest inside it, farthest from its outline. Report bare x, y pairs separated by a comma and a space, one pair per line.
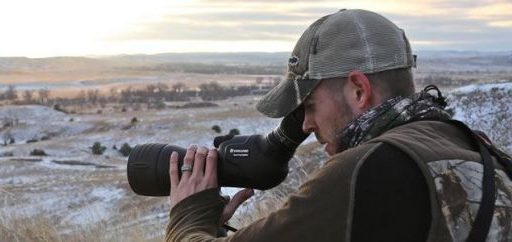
431, 23
453, 32
228, 24
496, 14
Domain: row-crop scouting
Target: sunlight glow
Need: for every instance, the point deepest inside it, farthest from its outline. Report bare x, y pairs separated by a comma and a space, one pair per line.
60, 27
496, 15
36, 28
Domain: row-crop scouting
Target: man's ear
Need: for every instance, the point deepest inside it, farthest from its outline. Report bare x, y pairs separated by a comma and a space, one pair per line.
360, 90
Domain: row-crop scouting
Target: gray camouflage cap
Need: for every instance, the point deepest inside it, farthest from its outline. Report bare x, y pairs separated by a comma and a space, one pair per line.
333, 46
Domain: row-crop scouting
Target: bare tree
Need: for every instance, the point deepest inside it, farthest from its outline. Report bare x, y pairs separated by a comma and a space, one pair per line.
8, 138
11, 93
179, 87
150, 89
44, 95
126, 95
162, 87
210, 87
27, 96
81, 97
93, 95
114, 94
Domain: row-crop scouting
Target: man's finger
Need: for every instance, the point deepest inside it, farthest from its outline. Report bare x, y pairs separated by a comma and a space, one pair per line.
235, 202
199, 160
173, 170
188, 162
211, 168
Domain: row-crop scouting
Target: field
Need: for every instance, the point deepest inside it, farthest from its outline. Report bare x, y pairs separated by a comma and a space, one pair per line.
72, 187
71, 194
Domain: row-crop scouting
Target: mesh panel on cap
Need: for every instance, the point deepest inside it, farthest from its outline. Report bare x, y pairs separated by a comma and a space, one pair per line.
385, 42
358, 40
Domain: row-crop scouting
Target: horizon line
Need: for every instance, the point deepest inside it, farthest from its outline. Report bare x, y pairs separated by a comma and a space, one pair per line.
226, 52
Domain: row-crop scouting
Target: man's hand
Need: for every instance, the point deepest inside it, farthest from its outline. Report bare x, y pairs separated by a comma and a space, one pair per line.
235, 202
201, 176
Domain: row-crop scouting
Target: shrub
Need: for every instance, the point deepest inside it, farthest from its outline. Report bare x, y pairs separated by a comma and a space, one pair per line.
134, 120
8, 138
217, 129
199, 105
160, 104
234, 132
114, 147
97, 148
58, 107
38, 152
125, 149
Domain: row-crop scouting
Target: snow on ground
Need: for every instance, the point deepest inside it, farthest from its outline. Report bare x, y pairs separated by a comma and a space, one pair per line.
32, 113
485, 107
469, 89
35, 122
70, 190
103, 205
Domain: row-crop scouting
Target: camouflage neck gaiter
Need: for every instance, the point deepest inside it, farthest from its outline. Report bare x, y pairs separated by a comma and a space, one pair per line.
392, 113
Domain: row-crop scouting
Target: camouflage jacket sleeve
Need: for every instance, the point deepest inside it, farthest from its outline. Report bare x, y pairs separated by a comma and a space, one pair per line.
314, 213
196, 218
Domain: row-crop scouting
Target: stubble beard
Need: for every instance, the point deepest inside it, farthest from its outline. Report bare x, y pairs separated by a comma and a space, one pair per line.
345, 120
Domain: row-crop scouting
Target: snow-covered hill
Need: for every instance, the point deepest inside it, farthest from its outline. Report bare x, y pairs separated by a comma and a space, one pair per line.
486, 107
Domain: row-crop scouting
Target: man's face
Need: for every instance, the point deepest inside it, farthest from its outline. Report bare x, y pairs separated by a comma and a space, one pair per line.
326, 114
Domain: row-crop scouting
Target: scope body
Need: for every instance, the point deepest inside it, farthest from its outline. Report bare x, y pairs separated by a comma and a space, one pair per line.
248, 161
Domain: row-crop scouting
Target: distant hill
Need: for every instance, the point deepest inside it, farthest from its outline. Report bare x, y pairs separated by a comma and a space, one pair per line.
246, 58
465, 60
443, 68
16, 64
229, 59
451, 54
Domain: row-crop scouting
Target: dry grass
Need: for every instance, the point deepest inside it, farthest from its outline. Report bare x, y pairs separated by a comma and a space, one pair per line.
68, 190
27, 229
41, 228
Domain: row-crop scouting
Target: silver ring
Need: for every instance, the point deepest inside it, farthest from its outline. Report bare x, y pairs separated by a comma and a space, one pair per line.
186, 167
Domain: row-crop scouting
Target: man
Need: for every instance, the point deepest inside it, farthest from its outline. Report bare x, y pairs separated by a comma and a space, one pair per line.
399, 169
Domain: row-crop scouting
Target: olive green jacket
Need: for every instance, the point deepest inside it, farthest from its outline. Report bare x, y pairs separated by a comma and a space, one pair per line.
322, 209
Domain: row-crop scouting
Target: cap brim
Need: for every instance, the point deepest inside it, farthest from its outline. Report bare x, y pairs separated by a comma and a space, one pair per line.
285, 97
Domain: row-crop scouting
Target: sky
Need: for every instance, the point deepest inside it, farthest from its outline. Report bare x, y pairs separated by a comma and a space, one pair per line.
35, 28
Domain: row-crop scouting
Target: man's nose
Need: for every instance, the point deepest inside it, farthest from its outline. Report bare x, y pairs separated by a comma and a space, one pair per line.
307, 125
